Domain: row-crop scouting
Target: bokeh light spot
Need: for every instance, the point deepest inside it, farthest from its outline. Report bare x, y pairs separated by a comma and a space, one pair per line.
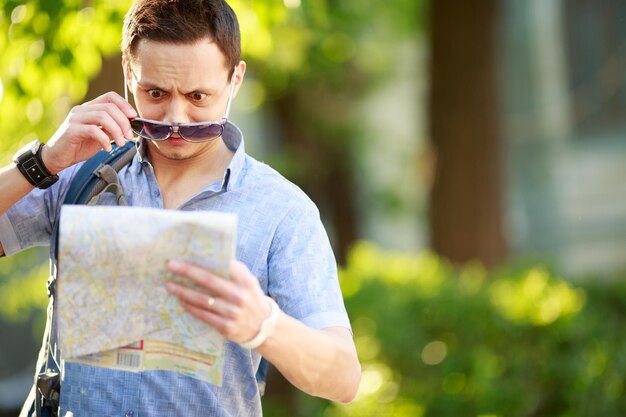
18, 14
34, 110
434, 352
292, 4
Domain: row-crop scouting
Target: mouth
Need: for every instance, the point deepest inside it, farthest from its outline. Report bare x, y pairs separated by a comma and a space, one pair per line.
176, 141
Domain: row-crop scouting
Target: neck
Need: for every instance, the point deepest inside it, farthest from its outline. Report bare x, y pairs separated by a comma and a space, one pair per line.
181, 176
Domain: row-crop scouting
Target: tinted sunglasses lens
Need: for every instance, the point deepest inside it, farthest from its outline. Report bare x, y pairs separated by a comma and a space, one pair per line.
201, 133
150, 130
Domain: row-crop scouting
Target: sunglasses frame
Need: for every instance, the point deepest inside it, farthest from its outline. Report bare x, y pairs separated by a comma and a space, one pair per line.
174, 127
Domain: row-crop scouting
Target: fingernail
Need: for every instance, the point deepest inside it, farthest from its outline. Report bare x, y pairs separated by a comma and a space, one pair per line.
170, 287
174, 264
129, 134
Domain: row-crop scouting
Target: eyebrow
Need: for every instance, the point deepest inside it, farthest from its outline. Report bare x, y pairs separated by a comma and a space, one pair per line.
147, 84
150, 85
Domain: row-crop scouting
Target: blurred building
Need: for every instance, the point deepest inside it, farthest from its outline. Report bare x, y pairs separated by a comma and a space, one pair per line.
564, 84
563, 103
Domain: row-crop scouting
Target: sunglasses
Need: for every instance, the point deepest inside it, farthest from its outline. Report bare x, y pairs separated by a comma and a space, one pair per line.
191, 132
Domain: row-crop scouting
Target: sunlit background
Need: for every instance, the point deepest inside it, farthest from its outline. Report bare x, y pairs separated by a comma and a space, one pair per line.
469, 162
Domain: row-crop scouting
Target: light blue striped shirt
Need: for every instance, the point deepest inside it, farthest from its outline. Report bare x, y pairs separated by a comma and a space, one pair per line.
280, 238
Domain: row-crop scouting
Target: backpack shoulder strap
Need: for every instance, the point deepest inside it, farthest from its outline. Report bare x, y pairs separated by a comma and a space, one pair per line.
88, 181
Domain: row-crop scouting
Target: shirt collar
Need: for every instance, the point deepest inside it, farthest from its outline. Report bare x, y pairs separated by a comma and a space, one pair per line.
233, 139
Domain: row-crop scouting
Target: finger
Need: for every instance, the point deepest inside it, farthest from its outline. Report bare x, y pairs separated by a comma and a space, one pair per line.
123, 111
94, 133
192, 296
212, 319
114, 98
214, 284
120, 118
240, 273
109, 117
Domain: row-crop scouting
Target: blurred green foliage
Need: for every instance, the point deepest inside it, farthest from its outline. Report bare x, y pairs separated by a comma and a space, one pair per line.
311, 63
292, 42
50, 50
23, 288
438, 341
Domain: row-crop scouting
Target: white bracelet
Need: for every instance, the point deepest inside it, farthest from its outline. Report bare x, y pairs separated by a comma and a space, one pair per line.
267, 327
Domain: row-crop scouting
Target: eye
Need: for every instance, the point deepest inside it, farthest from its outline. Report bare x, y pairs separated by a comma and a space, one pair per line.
197, 96
154, 93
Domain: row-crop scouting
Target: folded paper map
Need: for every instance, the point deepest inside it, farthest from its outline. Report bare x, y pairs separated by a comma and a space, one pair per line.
113, 309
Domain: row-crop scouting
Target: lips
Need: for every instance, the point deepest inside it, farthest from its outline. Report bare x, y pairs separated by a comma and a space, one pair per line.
176, 141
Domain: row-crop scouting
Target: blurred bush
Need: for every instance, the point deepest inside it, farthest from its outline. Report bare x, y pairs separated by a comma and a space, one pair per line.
435, 340
23, 287
441, 341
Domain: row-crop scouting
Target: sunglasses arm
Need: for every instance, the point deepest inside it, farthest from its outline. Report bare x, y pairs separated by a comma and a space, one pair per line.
125, 86
230, 96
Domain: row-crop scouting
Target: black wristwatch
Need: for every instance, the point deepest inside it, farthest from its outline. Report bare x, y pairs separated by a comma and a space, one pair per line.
29, 162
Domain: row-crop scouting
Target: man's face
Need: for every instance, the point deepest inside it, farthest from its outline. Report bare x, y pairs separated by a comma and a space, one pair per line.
184, 83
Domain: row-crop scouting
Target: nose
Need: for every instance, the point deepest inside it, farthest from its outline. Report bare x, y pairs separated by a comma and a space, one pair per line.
176, 112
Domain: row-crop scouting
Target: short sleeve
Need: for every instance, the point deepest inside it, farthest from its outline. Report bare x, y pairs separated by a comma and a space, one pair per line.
30, 221
303, 271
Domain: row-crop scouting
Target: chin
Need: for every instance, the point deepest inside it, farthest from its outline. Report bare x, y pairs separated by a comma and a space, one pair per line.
176, 156
174, 153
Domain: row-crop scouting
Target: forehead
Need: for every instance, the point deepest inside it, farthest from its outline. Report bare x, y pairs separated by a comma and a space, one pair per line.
200, 62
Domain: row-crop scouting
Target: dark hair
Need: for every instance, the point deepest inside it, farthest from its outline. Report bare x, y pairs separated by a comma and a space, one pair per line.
183, 21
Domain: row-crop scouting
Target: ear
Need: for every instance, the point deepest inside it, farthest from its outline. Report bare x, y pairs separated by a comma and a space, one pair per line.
127, 75
240, 70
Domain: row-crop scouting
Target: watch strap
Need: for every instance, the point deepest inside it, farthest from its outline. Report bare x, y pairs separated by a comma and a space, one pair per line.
31, 165
266, 329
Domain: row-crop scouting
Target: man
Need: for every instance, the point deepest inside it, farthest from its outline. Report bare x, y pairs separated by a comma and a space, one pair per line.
181, 60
